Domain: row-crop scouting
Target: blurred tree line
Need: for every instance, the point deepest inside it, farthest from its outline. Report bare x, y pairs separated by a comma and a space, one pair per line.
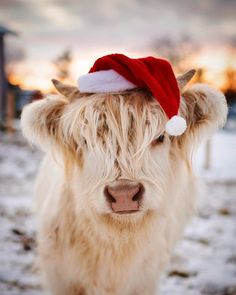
62, 64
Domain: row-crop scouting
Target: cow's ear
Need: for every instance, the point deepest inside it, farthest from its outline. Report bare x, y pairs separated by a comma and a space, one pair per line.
68, 91
40, 121
205, 110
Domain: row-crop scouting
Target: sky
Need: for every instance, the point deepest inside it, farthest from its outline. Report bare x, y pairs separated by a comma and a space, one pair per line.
94, 28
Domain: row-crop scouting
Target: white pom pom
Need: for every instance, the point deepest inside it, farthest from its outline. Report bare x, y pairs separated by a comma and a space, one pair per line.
176, 126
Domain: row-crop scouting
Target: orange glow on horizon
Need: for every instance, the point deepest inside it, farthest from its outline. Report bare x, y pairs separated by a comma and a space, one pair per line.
213, 62
31, 83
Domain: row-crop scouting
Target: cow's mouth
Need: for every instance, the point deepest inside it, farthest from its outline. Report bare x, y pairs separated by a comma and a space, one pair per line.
126, 212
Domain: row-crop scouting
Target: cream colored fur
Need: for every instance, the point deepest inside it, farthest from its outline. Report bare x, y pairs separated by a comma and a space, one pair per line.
91, 141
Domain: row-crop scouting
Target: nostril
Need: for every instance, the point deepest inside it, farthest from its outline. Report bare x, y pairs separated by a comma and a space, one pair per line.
108, 196
139, 195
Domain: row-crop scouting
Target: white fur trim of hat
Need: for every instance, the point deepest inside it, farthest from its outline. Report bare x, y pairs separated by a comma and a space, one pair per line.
104, 82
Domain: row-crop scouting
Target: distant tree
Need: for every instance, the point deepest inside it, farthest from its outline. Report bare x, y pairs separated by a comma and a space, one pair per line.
14, 53
230, 77
230, 85
199, 76
175, 50
62, 64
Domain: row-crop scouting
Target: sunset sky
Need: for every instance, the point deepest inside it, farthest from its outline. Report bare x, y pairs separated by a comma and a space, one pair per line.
94, 28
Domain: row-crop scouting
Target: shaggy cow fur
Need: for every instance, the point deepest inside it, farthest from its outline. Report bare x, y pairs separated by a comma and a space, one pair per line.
94, 140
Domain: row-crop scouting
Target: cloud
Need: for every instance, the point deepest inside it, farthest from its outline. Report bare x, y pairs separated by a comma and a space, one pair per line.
118, 20
47, 26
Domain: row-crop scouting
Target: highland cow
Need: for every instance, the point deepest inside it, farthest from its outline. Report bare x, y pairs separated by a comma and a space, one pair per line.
114, 191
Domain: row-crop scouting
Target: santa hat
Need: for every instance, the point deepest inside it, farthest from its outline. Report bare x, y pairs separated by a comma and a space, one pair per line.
117, 72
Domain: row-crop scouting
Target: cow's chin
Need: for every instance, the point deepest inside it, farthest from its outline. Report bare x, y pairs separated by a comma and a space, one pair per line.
128, 221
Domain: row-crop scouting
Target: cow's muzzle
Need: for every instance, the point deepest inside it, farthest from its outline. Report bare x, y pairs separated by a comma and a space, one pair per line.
124, 196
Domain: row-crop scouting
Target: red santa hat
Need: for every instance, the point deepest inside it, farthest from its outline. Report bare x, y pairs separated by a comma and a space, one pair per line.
117, 72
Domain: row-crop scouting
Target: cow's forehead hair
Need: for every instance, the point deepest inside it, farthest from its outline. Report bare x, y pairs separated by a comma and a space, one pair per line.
125, 120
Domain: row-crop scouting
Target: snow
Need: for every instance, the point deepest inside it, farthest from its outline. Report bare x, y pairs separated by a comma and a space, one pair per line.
204, 262
223, 158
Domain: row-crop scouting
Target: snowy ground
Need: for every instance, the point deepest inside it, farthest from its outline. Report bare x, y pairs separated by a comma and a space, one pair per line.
204, 261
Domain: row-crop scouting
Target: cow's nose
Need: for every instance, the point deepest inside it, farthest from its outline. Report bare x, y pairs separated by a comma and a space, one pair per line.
124, 196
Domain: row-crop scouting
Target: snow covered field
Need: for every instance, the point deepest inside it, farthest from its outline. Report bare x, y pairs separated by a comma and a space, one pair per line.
204, 261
